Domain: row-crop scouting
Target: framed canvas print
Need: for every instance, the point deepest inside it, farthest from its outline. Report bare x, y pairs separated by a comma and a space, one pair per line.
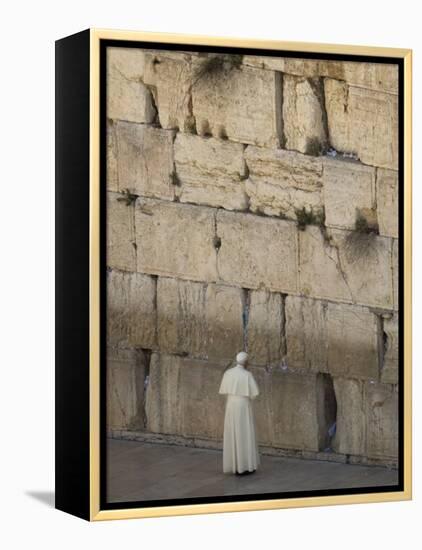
233, 274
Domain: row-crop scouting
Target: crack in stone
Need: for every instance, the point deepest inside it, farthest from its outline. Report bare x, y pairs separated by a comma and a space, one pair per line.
138, 80
147, 356
283, 337
216, 243
117, 395
337, 263
279, 100
246, 304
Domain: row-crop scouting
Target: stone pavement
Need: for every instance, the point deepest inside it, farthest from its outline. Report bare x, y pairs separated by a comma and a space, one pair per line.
145, 471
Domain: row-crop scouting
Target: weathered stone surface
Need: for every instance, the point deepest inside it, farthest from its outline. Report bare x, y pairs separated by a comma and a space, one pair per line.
129, 63
210, 171
306, 333
295, 402
390, 367
366, 263
224, 308
382, 416
281, 182
203, 321
320, 274
131, 311
121, 252
175, 240
127, 96
346, 266
265, 327
363, 122
125, 388
181, 316
395, 261
367, 418
341, 339
354, 335
112, 176
262, 405
257, 251
388, 202
303, 116
145, 164
242, 104
182, 397
350, 436
292, 66
171, 81
374, 76
349, 189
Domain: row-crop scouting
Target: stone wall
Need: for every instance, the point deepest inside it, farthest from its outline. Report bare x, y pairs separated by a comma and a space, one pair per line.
252, 204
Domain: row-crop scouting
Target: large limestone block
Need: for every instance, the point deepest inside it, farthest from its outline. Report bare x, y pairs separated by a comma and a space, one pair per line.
395, 261
374, 76
182, 397
163, 400
126, 62
170, 77
210, 171
145, 162
341, 339
224, 309
293, 411
281, 182
127, 96
175, 240
320, 272
303, 115
363, 122
382, 415
121, 252
262, 405
388, 202
366, 265
112, 175
131, 311
257, 251
350, 436
243, 104
265, 327
390, 367
349, 189
289, 65
203, 321
125, 388
354, 335
181, 316
380, 77
346, 266
296, 400
306, 333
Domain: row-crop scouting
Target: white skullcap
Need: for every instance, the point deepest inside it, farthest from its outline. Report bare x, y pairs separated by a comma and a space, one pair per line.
242, 357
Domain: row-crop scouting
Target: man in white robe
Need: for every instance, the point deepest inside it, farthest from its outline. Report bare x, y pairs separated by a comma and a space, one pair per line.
240, 449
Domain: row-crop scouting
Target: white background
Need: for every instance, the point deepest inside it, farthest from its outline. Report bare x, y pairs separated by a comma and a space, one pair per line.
27, 272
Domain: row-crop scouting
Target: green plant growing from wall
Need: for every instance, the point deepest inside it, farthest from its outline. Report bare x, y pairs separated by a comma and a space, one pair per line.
360, 242
216, 65
127, 197
306, 217
362, 225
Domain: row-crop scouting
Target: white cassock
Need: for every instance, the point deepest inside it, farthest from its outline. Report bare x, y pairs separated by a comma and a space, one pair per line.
240, 449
